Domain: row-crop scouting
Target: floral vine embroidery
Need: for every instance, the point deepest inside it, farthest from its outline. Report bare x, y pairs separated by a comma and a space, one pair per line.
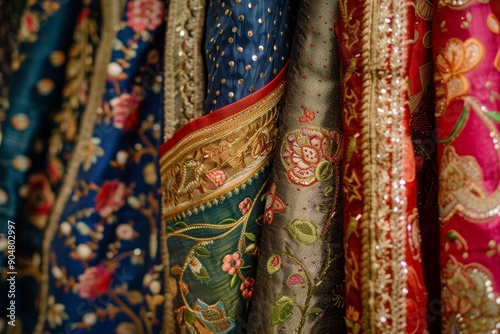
192, 318
304, 232
309, 154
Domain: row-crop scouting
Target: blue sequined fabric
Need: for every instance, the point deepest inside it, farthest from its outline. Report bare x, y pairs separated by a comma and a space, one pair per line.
246, 44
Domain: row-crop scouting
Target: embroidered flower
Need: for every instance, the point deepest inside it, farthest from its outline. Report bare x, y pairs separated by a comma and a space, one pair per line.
469, 300
144, 14
150, 173
65, 228
308, 155
231, 263
308, 116
452, 63
94, 282
40, 199
247, 288
352, 319
125, 111
273, 205
91, 151
110, 198
83, 252
55, 312
124, 232
217, 177
245, 205
29, 26
209, 319
184, 287
89, 318
195, 265
126, 328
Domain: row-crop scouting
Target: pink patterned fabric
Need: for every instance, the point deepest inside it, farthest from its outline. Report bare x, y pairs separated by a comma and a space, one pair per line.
467, 64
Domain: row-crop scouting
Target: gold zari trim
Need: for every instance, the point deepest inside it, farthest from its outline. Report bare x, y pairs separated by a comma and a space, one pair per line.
230, 150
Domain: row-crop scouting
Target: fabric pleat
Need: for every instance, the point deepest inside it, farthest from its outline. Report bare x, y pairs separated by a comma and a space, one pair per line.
300, 277
215, 169
385, 291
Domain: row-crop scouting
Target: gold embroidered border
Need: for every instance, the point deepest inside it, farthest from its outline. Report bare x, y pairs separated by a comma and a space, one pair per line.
230, 145
112, 13
384, 103
184, 73
263, 114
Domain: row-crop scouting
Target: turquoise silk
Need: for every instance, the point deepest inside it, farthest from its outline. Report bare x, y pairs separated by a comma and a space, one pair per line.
215, 172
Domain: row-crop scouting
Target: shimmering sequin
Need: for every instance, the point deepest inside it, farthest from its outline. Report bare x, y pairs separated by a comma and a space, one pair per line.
238, 30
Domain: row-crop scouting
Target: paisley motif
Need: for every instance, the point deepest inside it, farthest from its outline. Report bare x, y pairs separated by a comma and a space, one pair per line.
462, 189
469, 301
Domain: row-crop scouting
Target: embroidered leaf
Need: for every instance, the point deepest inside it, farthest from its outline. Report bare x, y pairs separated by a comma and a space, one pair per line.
288, 249
202, 275
273, 264
295, 279
227, 221
251, 249
176, 270
202, 251
458, 126
157, 299
169, 229
181, 225
315, 310
282, 310
135, 297
324, 171
251, 237
328, 191
303, 231
233, 281
189, 316
494, 115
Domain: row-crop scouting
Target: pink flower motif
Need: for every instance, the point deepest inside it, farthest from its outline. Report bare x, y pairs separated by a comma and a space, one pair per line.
110, 198
40, 195
245, 205
144, 14
94, 282
308, 155
125, 113
295, 279
231, 263
247, 288
217, 177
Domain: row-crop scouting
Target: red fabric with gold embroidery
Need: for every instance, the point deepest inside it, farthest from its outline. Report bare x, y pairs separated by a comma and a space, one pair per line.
385, 291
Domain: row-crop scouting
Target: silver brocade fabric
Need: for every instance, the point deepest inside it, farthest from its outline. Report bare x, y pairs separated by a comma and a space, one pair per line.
300, 275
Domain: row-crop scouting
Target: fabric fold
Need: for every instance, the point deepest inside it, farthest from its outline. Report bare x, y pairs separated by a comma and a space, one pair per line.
385, 290
214, 172
467, 65
300, 277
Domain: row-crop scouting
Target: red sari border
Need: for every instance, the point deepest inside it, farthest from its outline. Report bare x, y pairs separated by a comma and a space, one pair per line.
223, 113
